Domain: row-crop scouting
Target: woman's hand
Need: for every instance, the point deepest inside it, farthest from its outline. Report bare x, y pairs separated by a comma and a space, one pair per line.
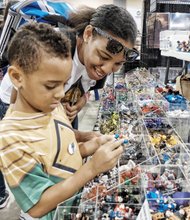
72, 111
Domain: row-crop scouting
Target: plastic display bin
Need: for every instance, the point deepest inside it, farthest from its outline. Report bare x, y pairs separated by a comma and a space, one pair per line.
181, 125
106, 202
167, 189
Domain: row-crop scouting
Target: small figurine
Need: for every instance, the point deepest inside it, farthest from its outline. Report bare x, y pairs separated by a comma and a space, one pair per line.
179, 46
171, 216
158, 216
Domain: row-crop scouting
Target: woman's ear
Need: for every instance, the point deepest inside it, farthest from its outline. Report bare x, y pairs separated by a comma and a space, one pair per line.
16, 76
87, 34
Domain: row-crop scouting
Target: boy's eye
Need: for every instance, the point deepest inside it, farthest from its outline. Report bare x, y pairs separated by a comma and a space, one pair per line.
50, 87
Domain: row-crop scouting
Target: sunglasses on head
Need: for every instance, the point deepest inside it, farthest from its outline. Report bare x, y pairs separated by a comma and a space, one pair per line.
115, 47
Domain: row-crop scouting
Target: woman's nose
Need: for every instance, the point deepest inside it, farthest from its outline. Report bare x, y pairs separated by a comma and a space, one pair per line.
107, 68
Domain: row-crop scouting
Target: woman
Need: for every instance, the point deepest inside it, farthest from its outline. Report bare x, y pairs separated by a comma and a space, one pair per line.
105, 38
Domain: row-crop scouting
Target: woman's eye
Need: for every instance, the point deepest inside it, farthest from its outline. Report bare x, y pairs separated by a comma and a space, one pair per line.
120, 63
104, 58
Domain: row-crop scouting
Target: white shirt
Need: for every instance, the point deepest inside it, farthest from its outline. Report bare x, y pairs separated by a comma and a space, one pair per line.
79, 70
6, 89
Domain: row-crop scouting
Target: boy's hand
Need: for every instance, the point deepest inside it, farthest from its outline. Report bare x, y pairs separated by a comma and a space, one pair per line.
89, 147
83, 136
107, 154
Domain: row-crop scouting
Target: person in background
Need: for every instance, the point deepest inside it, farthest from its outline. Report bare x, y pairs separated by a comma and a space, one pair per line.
39, 155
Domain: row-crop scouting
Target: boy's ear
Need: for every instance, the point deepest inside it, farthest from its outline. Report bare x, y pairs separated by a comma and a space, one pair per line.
16, 76
87, 33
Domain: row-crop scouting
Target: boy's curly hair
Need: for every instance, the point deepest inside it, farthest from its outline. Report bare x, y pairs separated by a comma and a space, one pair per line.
31, 41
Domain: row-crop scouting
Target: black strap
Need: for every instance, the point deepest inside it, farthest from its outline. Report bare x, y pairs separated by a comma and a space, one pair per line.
99, 84
181, 88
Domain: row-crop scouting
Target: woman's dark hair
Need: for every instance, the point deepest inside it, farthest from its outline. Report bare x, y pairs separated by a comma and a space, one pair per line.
31, 40
110, 18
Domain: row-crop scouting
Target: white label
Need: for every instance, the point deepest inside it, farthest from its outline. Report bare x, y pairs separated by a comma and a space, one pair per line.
144, 213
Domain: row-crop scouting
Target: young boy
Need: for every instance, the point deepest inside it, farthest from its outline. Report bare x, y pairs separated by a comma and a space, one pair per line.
39, 155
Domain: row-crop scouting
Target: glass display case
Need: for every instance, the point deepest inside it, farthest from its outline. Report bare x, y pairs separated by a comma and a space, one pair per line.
151, 179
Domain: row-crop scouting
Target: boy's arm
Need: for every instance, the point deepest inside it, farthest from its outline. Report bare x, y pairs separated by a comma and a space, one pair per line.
83, 136
104, 159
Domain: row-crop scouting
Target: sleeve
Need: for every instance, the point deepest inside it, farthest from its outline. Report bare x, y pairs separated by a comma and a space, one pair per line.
24, 174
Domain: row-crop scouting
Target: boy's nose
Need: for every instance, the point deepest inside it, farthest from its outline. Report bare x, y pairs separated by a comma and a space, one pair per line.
60, 94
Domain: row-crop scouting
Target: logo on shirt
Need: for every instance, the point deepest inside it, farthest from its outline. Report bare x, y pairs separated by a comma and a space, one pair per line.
71, 149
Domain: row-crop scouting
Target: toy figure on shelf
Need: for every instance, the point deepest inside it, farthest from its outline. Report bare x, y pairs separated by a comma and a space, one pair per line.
178, 48
159, 202
121, 212
159, 89
120, 84
187, 212
128, 213
171, 216
132, 176
149, 108
158, 216
111, 95
105, 216
110, 125
183, 46
188, 44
